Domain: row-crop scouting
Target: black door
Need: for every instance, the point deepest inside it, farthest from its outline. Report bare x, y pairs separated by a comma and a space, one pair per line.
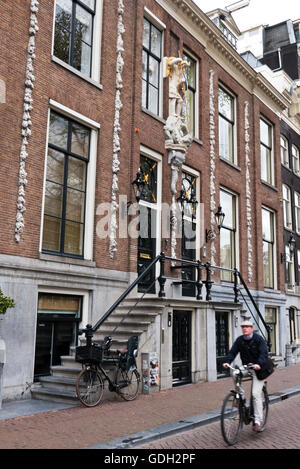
181, 366
222, 341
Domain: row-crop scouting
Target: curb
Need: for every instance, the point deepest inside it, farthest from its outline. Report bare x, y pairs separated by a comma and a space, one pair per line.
169, 429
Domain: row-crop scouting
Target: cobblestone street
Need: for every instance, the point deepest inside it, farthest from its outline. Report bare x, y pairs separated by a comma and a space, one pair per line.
282, 432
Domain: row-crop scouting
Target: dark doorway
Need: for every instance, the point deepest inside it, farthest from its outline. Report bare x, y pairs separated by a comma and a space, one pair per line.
181, 366
57, 324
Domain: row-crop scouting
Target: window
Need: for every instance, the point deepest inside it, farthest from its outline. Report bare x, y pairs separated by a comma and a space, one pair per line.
284, 151
226, 125
228, 234
190, 227
289, 268
73, 34
190, 105
293, 324
151, 76
149, 217
65, 192
268, 247
287, 207
297, 212
271, 320
266, 152
295, 159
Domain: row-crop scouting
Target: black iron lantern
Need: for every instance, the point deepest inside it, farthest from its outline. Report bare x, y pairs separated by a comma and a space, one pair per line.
219, 215
138, 185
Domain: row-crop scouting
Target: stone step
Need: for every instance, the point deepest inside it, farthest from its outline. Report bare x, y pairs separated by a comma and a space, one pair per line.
54, 395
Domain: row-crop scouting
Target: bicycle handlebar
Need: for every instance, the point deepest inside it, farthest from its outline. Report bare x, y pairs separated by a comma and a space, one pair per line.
243, 370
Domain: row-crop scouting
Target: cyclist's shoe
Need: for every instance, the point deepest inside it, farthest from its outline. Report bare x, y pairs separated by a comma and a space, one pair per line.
257, 428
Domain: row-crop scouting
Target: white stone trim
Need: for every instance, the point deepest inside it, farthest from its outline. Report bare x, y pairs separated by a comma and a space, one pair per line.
248, 194
116, 132
212, 162
26, 121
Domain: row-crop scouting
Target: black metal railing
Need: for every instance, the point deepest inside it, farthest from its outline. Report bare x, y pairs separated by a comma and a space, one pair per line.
199, 283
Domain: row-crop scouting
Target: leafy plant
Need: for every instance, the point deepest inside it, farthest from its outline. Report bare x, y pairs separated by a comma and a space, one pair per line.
5, 302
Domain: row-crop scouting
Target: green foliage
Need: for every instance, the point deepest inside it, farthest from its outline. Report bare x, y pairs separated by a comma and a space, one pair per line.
5, 303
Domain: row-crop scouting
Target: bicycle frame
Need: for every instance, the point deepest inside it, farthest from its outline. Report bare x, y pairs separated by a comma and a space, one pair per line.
239, 376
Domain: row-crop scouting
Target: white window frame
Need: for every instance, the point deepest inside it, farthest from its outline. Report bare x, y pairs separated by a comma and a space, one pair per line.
162, 27
65, 292
274, 244
96, 51
290, 268
287, 206
91, 175
196, 95
236, 228
297, 212
234, 125
284, 151
196, 220
296, 160
271, 148
277, 327
145, 151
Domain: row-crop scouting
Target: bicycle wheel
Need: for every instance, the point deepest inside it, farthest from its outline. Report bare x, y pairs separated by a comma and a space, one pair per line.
89, 387
127, 383
231, 419
265, 408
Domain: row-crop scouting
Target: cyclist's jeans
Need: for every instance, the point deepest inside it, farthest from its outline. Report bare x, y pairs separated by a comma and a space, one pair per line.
257, 394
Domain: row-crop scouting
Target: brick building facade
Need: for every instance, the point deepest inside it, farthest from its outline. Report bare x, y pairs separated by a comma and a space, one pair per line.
98, 105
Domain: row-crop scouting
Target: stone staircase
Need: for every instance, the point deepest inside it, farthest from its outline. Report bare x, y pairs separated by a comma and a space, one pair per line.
60, 386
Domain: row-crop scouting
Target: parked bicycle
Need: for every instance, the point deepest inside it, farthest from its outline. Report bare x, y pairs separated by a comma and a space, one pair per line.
235, 410
90, 381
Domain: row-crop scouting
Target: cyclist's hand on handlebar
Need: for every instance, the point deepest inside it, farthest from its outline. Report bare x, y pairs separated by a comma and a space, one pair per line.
256, 367
225, 365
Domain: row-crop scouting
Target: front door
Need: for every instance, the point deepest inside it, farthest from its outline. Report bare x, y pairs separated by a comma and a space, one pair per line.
222, 341
181, 365
57, 324
146, 250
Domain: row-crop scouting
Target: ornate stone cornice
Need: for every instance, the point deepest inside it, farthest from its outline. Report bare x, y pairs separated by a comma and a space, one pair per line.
212, 36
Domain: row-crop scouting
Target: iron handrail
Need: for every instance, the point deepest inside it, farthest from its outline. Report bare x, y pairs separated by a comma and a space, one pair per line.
89, 331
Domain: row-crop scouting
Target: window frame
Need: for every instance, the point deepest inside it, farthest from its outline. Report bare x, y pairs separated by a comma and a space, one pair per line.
271, 242
296, 160
231, 123
274, 330
156, 23
95, 70
284, 152
233, 230
90, 180
297, 212
287, 207
269, 148
187, 55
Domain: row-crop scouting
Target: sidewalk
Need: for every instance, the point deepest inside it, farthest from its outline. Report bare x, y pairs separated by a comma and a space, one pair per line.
120, 424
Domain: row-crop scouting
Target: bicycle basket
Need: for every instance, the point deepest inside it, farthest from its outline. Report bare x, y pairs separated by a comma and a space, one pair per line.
91, 354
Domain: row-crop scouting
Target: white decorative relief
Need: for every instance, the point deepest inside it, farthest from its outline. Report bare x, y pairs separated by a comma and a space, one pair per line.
248, 193
26, 121
212, 162
116, 132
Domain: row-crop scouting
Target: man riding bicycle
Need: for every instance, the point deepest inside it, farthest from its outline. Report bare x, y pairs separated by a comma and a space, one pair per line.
253, 349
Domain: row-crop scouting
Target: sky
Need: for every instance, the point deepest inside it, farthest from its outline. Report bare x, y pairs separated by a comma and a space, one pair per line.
267, 12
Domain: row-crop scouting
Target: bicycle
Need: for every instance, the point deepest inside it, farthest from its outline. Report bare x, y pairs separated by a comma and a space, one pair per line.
90, 381
235, 411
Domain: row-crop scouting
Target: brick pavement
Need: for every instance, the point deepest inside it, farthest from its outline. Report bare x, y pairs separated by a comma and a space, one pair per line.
282, 432
80, 427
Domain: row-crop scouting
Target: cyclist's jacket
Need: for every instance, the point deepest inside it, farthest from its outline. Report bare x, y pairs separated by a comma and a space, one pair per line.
254, 350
